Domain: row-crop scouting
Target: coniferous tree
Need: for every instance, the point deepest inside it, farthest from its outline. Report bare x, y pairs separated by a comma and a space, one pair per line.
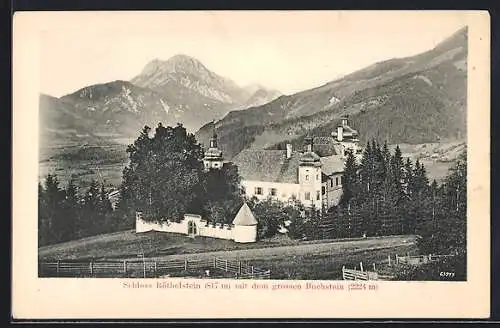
397, 192
407, 207
89, 223
54, 197
43, 217
104, 212
446, 232
350, 181
71, 211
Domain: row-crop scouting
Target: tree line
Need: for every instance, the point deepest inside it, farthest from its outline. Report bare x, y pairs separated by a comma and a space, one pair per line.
65, 214
383, 194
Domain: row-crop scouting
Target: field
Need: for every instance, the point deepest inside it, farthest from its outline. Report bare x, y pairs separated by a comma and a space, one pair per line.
437, 158
104, 163
287, 259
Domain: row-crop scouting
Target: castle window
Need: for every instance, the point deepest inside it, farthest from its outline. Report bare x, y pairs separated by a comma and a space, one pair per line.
317, 176
258, 190
307, 177
307, 195
331, 183
273, 191
323, 190
336, 181
318, 196
340, 178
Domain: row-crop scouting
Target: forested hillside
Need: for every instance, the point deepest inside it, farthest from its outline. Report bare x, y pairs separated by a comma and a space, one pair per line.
414, 100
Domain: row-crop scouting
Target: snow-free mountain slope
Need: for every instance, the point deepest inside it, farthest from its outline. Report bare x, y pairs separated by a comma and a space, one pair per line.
415, 100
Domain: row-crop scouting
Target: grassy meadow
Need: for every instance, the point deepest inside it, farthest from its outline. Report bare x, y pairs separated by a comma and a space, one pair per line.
287, 259
84, 163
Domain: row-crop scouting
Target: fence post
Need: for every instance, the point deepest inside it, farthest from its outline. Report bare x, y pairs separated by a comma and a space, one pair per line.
215, 263
185, 265
91, 267
397, 259
226, 265
239, 267
361, 266
389, 257
155, 268
57, 267
252, 270
374, 269
125, 267
343, 272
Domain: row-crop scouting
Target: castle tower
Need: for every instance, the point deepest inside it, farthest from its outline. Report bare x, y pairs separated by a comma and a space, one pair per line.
310, 177
346, 137
245, 226
213, 156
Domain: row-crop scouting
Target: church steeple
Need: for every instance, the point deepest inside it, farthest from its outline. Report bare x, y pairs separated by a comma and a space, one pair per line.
213, 156
213, 140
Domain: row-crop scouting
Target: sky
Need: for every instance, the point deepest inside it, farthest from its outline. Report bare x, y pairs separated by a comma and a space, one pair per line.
288, 51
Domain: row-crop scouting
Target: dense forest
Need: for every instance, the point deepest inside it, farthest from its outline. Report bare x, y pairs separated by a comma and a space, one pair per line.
387, 195
383, 195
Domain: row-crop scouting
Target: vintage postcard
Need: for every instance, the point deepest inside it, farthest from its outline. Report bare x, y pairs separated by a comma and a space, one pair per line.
251, 164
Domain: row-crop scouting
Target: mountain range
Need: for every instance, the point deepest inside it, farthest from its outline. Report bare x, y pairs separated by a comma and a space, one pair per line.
178, 90
413, 100
418, 99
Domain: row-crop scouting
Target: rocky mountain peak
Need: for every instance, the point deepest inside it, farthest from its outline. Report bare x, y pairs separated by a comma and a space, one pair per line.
177, 64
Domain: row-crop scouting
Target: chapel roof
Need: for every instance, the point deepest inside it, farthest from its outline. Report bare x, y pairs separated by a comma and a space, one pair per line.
245, 217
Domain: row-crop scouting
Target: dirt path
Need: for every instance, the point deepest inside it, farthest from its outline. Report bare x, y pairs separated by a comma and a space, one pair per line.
332, 248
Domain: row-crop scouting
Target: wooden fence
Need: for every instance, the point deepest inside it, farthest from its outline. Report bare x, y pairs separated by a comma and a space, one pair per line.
418, 259
147, 268
353, 274
241, 269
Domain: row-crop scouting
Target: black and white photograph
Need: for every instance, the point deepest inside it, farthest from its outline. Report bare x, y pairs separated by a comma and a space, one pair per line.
311, 151
250, 164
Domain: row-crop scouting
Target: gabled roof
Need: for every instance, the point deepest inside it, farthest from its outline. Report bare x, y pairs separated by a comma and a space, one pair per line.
347, 132
332, 164
245, 217
273, 166
322, 140
267, 165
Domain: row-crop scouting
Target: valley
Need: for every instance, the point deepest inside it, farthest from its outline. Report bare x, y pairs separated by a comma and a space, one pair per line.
417, 102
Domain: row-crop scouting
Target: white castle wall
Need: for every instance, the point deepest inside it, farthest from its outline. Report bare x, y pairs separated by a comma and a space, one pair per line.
244, 234
226, 231
219, 231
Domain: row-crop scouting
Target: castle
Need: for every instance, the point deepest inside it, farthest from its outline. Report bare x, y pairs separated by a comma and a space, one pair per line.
285, 175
